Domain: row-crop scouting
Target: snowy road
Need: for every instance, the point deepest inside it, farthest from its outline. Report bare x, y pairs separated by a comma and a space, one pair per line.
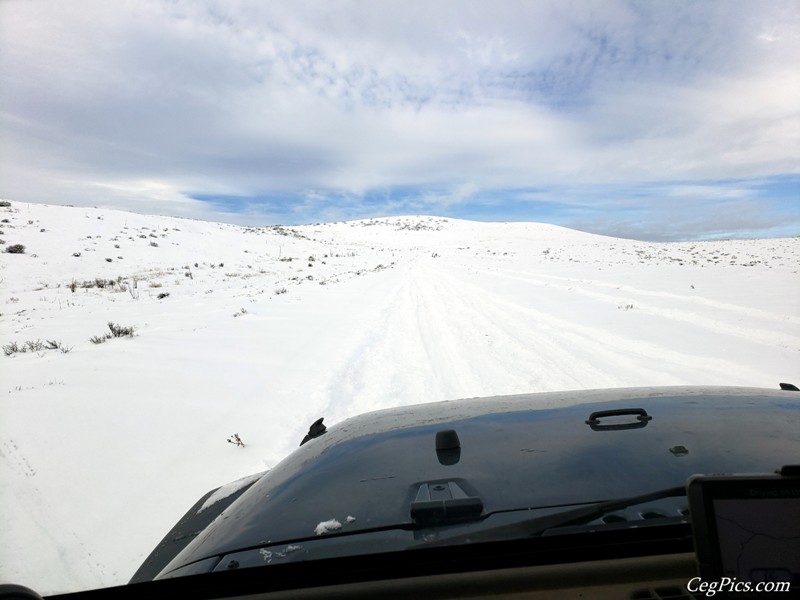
440, 329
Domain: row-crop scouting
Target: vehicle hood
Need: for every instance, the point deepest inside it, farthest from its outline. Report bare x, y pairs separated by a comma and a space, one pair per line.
364, 474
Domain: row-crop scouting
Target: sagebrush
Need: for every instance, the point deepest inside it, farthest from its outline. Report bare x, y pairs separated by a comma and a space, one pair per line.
34, 346
114, 331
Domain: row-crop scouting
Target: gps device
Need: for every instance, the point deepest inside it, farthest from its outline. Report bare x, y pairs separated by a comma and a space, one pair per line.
747, 527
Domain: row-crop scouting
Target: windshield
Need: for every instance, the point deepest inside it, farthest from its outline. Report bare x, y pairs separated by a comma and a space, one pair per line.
220, 222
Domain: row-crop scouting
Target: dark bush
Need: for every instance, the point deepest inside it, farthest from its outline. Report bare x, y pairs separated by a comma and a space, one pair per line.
15, 249
114, 330
119, 330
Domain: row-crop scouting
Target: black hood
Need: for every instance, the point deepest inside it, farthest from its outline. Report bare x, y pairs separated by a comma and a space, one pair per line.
506, 454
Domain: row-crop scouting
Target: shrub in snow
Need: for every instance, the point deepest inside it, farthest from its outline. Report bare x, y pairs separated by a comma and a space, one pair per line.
5, 204
236, 440
163, 295
114, 330
34, 346
154, 244
15, 249
54, 345
115, 284
119, 330
279, 291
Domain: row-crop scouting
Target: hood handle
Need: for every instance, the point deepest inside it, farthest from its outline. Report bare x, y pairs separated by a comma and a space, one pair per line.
641, 415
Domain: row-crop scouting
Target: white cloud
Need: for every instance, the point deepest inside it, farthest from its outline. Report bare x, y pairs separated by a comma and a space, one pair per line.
348, 98
456, 195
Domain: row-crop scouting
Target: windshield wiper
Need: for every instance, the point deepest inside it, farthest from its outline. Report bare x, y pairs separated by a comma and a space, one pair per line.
538, 525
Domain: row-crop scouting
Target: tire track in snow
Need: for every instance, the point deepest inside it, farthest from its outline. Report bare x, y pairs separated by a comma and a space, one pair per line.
514, 353
553, 353
84, 569
440, 338
15, 459
694, 300
431, 332
769, 337
472, 357
628, 361
394, 362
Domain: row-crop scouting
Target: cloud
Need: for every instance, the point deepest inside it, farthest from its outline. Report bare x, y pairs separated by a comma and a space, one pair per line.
120, 101
682, 211
443, 201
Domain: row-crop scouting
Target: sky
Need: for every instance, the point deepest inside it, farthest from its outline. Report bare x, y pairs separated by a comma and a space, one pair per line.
650, 120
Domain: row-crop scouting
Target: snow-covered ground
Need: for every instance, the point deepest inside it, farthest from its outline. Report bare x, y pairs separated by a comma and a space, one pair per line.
260, 331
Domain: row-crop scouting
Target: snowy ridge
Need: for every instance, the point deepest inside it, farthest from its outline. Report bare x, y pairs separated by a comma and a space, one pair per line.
260, 331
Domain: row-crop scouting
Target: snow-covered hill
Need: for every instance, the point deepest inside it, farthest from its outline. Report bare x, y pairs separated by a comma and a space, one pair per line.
260, 331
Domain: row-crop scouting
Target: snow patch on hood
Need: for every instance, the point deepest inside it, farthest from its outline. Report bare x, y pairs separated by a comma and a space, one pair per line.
327, 527
228, 489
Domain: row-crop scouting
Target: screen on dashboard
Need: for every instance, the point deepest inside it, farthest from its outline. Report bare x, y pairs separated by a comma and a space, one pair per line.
746, 527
